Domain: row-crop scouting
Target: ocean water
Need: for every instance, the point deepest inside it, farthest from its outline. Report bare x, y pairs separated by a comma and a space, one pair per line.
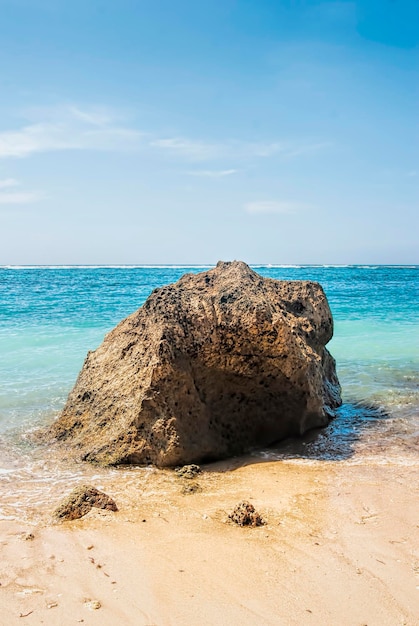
51, 316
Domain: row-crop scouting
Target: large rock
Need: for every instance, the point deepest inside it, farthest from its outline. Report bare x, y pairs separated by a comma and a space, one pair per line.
208, 367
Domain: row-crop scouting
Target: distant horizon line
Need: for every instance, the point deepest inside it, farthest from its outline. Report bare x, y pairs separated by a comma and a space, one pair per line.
194, 265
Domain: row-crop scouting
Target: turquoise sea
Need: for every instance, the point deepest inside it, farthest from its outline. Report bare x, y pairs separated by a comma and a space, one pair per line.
51, 316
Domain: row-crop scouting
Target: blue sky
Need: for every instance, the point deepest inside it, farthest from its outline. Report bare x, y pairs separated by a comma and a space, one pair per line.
186, 131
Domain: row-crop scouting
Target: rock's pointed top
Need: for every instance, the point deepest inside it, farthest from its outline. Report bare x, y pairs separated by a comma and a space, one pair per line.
224, 265
237, 268
224, 273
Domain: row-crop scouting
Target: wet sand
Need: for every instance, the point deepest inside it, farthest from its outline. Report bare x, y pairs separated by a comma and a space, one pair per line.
340, 547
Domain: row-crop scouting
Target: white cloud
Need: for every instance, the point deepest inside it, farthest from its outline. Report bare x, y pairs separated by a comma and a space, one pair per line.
192, 150
19, 197
16, 197
68, 128
98, 116
270, 206
203, 151
8, 182
71, 127
35, 138
212, 173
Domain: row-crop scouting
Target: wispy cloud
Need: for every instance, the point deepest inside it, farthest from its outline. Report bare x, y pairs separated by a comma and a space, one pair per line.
70, 128
8, 182
35, 138
212, 173
19, 197
272, 206
16, 197
97, 116
193, 150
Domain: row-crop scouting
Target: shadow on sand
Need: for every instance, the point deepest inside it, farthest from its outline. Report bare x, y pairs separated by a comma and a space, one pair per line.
335, 442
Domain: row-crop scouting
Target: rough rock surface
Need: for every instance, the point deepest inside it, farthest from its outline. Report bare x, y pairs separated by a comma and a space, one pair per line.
245, 515
208, 367
80, 501
188, 471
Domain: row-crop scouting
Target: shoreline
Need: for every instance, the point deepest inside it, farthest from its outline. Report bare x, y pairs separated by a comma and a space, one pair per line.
340, 547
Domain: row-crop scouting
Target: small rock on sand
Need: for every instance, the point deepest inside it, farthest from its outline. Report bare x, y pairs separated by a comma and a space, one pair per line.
245, 515
93, 605
81, 500
188, 471
28, 536
192, 487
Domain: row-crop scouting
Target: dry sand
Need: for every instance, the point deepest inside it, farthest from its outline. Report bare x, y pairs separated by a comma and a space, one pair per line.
340, 548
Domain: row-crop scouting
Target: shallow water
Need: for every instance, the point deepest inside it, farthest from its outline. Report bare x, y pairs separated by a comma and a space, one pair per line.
51, 316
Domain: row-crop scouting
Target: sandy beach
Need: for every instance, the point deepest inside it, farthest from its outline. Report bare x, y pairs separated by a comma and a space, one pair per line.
340, 546
209, 254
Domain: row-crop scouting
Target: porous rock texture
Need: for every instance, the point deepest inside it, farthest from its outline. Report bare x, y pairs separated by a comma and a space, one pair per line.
245, 514
81, 500
208, 367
